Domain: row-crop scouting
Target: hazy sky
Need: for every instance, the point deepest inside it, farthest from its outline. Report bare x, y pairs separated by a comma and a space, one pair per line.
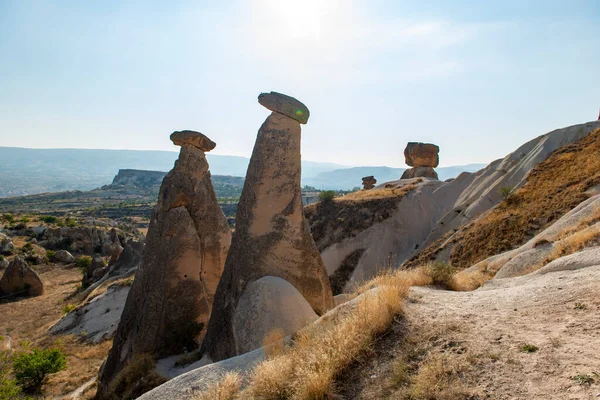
478, 78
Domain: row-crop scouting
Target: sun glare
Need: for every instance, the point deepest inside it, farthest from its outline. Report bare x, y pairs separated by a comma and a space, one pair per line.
300, 19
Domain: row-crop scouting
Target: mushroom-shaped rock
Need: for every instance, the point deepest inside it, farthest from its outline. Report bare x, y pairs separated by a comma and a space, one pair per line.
369, 182
271, 237
20, 280
268, 304
171, 298
285, 105
194, 138
422, 155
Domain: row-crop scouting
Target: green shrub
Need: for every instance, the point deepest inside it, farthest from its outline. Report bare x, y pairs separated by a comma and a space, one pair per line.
326, 195
529, 348
505, 191
49, 219
83, 262
70, 222
8, 387
25, 220
51, 255
31, 369
441, 273
8, 218
68, 308
27, 247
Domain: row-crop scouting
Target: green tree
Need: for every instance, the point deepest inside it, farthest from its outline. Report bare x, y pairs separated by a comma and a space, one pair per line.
31, 369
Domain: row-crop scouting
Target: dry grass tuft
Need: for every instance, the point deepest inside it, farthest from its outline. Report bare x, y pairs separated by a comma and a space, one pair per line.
227, 388
466, 281
137, 378
273, 343
439, 378
575, 242
307, 368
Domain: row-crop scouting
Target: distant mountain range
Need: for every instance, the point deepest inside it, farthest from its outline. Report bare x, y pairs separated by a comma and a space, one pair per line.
31, 171
348, 178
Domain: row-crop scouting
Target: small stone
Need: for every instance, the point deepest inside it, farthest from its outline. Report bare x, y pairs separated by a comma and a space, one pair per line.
194, 138
286, 105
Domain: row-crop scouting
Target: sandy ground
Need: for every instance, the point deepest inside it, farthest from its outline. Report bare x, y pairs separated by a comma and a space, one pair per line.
557, 312
26, 322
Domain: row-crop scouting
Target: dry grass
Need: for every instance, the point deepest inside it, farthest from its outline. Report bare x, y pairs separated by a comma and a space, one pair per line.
465, 281
226, 389
273, 343
553, 188
381, 193
439, 378
137, 378
26, 323
307, 368
575, 242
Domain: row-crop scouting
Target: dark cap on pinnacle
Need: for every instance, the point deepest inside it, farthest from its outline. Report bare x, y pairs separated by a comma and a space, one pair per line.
193, 138
286, 105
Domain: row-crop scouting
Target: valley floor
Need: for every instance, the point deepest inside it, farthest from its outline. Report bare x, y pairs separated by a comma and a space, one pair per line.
533, 337
24, 323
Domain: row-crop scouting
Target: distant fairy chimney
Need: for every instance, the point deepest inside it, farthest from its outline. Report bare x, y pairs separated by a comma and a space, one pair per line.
369, 182
423, 158
599, 115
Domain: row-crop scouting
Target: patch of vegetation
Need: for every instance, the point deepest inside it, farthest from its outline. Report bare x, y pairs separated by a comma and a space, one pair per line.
137, 378
581, 306
51, 255
326, 195
529, 348
68, 308
70, 222
8, 218
441, 273
84, 262
9, 389
587, 379
505, 191
49, 219
31, 369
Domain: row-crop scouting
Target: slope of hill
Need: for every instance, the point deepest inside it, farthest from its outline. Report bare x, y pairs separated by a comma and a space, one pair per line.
554, 187
348, 178
31, 171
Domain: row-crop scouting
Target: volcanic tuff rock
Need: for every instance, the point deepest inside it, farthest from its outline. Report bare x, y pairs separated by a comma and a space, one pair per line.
194, 138
171, 298
19, 279
369, 182
285, 105
419, 172
6, 245
271, 236
64, 256
421, 155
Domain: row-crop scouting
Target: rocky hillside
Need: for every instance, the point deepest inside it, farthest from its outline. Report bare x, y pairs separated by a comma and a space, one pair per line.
434, 211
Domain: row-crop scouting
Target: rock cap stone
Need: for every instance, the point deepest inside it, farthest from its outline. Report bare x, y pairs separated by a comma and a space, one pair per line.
418, 154
194, 138
286, 105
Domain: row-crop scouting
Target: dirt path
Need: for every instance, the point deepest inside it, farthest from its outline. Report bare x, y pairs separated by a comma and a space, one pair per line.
485, 331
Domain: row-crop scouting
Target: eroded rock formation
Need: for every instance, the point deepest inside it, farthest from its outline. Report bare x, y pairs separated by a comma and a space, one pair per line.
271, 237
423, 157
188, 238
369, 182
20, 280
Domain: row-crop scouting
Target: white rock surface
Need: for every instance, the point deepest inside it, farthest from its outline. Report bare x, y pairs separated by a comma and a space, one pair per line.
267, 304
98, 319
583, 259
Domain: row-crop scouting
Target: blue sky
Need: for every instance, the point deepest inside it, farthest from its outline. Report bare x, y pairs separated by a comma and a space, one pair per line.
477, 78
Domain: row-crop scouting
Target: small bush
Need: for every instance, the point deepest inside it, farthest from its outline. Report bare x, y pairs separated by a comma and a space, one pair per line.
49, 219
68, 308
25, 220
27, 247
137, 378
529, 348
9, 218
441, 274
83, 262
31, 369
326, 195
70, 222
8, 387
505, 191
51, 255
